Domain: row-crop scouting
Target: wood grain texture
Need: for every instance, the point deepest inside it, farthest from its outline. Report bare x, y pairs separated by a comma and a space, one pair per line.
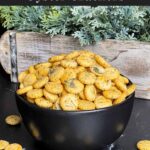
130, 57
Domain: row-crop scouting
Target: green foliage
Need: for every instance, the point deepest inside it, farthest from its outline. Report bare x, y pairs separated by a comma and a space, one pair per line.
88, 24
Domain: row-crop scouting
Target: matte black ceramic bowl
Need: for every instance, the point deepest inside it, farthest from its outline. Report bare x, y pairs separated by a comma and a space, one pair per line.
82, 130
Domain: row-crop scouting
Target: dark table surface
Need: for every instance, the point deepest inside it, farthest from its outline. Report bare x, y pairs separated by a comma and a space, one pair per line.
137, 129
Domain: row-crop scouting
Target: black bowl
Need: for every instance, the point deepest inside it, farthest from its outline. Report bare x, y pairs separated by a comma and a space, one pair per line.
81, 130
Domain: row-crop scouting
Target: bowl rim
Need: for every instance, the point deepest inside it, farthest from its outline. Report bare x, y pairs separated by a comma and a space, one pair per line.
128, 98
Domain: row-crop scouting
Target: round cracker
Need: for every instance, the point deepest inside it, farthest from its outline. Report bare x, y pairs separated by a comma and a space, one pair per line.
13, 120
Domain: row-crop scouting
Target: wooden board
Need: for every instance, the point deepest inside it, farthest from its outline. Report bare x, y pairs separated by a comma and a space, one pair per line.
131, 57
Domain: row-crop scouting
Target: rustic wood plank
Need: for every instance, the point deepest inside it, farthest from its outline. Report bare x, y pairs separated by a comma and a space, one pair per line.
131, 57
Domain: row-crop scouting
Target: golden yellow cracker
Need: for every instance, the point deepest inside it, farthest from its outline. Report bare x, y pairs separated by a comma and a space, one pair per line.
123, 79
56, 73
68, 74
143, 145
35, 93
86, 53
49, 96
120, 99
32, 69
43, 64
100, 60
82, 95
56, 58
120, 85
69, 102
14, 146
22, 75
86, 105
131, 89
97, 70
85, 61
102, 102
31, 100
112, 93
21, 86
13, 120
56, 105
111, 73
29, 79
79, 69
72, 55
54, 87
90, 92
42, 102
41, 82
74, 86
3, 144
43, 71
67, 63
24, 90
102, 83
87, 77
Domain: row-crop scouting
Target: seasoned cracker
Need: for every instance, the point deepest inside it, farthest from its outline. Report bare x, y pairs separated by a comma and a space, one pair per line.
42, 102
54, 87
13, 120
56, 58
111, 73
43, 71
56, 73
97, 70
69, 102
123, 79
102, 102
72, 55
120, 85
143, 145
112, 93
24, 90
14, 146
120, 99
22, 75
87, 77
100, 60
90, 92
102, 83
131, 89
35, 93
74, 86
68, 74
86, 105
3, 144
41, 82
49, 96
29, 79
85, 61
69, 63
79, 69
43, 64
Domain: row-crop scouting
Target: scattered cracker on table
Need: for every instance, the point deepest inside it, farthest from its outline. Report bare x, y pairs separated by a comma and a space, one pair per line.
14, 146
13, 120
143, 145
3, 144
86, 78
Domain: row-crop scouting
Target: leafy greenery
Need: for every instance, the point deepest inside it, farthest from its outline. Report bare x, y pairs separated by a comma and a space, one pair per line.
88, 24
